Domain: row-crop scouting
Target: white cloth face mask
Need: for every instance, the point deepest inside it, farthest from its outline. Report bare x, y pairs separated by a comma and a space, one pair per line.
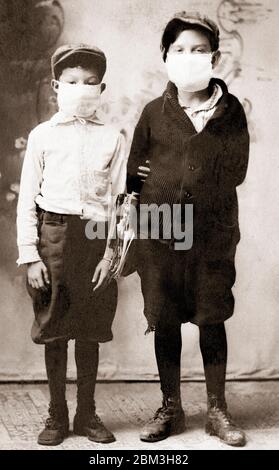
78, 100
189, 72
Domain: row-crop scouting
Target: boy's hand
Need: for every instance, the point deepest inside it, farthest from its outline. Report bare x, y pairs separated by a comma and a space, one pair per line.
101, 273
144, 171
37, 275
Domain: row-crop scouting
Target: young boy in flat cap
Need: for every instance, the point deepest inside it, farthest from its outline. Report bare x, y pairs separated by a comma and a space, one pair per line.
196, 139
73, 165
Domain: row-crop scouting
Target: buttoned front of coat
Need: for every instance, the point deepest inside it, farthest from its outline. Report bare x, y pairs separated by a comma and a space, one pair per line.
200, 168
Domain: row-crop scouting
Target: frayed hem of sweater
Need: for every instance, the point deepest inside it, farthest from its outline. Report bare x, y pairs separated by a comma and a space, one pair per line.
150, 329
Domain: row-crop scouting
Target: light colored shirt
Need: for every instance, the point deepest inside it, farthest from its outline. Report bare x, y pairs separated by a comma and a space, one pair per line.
71, 166
201, 114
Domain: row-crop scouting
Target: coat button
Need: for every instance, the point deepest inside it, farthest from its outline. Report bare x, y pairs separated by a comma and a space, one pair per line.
188, 195
191, 167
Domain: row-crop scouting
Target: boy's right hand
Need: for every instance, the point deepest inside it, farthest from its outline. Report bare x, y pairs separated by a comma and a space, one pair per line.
143, 171
101, 274
37, 275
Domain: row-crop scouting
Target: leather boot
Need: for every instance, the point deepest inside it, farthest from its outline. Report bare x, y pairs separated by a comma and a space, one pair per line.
90, 425
56, 425
169, 419
219, 423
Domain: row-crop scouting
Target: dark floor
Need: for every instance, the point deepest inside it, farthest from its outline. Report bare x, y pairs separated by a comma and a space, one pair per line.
124, 407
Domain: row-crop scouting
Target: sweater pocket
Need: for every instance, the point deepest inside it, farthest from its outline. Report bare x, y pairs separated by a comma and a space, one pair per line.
225, 227
222, 240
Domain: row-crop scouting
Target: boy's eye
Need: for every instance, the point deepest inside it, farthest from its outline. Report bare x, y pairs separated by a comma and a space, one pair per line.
200, 50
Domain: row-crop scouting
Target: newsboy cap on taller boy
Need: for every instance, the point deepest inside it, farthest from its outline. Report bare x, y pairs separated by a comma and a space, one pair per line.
195, 18
64, 53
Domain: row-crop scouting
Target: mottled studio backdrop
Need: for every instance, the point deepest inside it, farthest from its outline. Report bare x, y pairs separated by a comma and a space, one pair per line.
129, 31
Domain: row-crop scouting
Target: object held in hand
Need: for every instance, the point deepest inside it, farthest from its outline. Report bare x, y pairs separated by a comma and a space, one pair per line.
124, 232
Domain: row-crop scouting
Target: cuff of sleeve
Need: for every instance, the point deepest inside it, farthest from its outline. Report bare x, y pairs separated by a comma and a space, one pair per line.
108, 253
28, 254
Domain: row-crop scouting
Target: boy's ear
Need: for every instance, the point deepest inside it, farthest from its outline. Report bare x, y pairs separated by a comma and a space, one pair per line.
216, 56
54, 85
103, 87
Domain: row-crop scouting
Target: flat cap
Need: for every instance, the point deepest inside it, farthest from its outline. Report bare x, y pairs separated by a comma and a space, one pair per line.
66, 51
196, 18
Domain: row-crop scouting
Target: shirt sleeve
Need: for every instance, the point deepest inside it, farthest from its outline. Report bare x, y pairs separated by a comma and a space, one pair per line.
118, 174
118, 167
30, 184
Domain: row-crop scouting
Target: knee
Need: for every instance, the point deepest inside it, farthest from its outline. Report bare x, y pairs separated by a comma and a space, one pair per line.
57, 346
211, 331
168, 330
83, 345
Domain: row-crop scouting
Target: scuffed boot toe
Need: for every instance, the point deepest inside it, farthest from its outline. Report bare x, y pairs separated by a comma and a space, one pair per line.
93, 428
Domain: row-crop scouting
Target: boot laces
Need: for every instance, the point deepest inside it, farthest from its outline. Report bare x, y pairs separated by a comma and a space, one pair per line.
225, 417
53, 421
96, 419
161, 414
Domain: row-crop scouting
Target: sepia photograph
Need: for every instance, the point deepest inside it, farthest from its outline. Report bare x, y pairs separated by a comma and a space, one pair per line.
139, 209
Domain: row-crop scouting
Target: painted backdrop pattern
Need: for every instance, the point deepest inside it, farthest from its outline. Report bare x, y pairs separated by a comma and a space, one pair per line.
129, 31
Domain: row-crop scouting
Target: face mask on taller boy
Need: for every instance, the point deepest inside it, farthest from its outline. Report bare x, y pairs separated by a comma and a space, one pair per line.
78, 100
189, 72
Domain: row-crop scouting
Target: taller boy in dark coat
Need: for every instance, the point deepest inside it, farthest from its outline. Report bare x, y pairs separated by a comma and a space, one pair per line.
196, 140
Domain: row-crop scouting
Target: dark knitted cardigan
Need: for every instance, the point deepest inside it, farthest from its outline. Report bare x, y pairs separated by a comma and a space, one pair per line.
202, 168
188, 167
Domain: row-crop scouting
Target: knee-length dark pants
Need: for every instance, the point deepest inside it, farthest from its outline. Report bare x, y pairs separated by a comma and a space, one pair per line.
69, 309
188, 286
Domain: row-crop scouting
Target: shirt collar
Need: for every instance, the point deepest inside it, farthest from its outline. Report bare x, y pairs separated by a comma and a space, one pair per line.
209, 104
61, 118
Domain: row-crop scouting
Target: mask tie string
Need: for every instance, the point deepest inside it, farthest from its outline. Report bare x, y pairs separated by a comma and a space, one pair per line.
81, 120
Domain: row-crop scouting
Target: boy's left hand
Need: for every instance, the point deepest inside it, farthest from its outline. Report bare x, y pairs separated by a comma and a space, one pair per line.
101, 273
